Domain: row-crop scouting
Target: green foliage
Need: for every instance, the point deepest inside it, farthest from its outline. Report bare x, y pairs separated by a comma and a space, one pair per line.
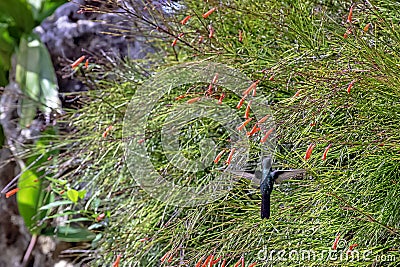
37, 79
17, 18
354, 192
32, 194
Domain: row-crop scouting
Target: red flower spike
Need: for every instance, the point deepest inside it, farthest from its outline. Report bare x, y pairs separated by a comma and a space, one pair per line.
239, 105
326, 151
247, 112
254, 130
116, 262
218, 157
77, 62
199, 262
185, 20
263, 119
244, 124
309, 151
347, 33
166, 255
12, 192
240, 36
209, 258
264, 139
228, 161
174, 42
193, 100
335, 243
351, 247
251, 87
209, 12
215, 261
221, 98
350, 86
366, 27
211, 31
350, 16
100, 217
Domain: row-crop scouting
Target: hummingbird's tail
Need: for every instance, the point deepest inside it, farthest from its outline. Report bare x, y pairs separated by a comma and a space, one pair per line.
265, 206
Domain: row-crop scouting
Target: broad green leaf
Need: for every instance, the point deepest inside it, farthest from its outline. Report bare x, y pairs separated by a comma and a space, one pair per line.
70, 234
56, 204
28, 196
32, 195
73, 195
82, 194
21, 13
37, 79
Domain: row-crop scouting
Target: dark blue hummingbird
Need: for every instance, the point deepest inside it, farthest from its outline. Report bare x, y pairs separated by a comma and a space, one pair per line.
266, 179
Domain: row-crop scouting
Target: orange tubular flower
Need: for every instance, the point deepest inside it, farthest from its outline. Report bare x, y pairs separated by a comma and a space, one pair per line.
326, 151
100, 217
199, 262
221, 98
208, 260
183, 22
266, 135
228, 161
77, 62
174, 42
211, 30
351, 247
350, 86
215, 261
190, 101
347, 33
253, 264
263, 119
209, 12
12, 192
335, 243
247, 112
309, 151
297, 93
106, 132
240, 36
366, 27
223, 263
87, 64
239, 105
166, 255
218, 157
244, 124
251, 87
271, 78
254, 130
116, 262
350, 16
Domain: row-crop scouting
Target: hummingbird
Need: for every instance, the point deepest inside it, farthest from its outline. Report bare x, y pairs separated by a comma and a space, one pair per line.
266, 179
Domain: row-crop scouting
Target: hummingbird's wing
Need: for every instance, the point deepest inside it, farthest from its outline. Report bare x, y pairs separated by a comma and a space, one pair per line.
284, 175
254, 178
